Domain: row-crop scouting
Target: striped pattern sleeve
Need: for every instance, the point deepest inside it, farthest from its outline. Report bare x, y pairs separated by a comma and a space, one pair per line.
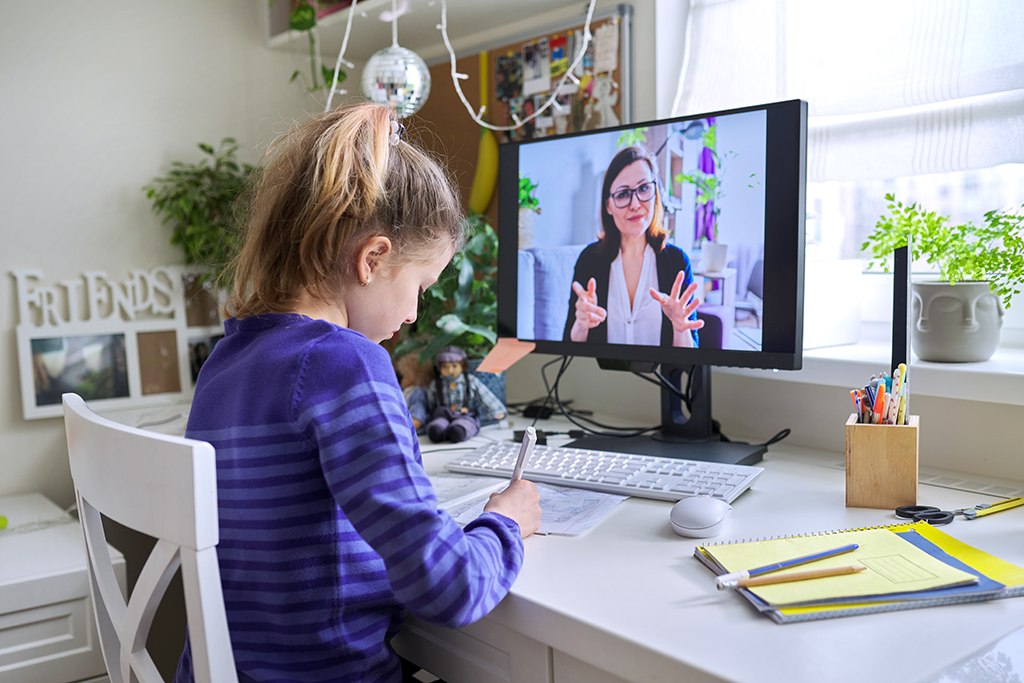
371, 462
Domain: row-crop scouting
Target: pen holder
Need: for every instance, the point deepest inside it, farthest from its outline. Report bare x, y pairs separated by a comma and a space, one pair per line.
881, 464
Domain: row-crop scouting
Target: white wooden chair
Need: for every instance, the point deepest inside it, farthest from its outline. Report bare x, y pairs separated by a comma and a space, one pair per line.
165, 487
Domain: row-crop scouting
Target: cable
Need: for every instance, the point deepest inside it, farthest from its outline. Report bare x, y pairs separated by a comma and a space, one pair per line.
777, 438
625, 431
566, 360
39, 525
341, 59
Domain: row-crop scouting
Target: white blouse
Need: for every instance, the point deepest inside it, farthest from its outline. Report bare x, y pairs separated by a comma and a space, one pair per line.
641, 322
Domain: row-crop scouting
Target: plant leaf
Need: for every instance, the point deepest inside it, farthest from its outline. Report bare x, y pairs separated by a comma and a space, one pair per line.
302, 17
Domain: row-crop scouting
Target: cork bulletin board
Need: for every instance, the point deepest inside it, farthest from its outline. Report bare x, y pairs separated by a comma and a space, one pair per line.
523, 75
519, 77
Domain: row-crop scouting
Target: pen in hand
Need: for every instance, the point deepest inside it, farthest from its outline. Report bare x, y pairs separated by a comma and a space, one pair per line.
529, 441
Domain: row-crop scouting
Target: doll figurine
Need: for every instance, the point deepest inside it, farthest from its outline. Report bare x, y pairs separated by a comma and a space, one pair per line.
457, 400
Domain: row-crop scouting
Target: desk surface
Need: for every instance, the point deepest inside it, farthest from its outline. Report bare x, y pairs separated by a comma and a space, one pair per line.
629, 598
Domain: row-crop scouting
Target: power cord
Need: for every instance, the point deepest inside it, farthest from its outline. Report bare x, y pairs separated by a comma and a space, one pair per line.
684, 396
604, 430
39, 525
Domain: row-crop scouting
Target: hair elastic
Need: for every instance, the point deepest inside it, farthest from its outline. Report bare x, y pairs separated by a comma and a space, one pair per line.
397, 132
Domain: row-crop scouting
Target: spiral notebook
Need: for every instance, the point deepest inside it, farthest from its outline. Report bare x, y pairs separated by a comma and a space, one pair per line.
911, 566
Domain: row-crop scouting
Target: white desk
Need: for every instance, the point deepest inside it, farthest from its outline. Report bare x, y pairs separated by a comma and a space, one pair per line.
47, 626
627, 602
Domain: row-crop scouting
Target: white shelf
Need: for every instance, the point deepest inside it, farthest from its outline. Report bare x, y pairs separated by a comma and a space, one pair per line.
998, 380
472, 25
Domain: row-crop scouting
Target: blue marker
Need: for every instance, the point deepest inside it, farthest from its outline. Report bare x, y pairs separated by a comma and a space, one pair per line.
725, 580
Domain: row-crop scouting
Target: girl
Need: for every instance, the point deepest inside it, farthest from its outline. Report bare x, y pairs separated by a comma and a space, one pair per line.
329, 528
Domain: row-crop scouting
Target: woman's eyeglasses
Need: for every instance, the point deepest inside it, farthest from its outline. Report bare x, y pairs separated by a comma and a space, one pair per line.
624, 197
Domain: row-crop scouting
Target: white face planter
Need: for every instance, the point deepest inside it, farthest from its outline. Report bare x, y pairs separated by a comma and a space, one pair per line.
955, 323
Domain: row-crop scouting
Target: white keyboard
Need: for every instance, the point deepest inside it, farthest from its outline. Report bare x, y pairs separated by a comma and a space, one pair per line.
624, 474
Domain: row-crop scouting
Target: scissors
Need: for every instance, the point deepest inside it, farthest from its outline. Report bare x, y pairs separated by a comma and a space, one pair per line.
937, 517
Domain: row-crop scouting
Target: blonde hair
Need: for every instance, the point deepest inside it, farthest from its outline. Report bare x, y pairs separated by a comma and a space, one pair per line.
326, 188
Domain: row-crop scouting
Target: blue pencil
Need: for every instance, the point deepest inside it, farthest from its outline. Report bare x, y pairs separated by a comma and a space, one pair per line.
785, 564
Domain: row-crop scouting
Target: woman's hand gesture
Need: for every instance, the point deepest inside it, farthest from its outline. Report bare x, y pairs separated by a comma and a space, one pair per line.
678, 307
588, 314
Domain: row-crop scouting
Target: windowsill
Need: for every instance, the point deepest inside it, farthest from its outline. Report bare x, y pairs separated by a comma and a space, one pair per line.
997, 380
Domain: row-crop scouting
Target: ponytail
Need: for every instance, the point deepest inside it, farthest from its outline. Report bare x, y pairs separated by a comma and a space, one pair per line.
327, 187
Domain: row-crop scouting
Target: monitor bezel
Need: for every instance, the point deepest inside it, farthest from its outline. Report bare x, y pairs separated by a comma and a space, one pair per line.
785, 198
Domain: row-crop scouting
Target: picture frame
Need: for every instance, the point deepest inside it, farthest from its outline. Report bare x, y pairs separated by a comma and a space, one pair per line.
119, 345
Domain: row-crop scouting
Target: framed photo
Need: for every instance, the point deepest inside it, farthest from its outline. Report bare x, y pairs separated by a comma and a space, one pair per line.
118, 345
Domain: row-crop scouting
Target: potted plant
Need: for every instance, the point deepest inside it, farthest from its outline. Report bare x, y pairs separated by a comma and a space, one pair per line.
707, 179
199, 200
528, 206
303, 16
957, 318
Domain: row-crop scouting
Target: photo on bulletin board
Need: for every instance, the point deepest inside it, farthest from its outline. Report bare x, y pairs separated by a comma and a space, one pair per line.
544, 120
536, 67
508, 77
94, 366
559, 56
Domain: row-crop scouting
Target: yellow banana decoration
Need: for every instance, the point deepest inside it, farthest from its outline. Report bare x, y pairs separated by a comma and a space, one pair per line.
485, 177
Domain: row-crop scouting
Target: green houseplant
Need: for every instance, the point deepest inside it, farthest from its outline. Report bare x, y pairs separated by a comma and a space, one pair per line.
981, 266
529, 205
708, 182
302, 16
199, 200
461, 309
707, 179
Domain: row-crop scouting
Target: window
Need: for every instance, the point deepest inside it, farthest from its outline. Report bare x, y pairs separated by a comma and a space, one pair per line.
841, 214
923, 98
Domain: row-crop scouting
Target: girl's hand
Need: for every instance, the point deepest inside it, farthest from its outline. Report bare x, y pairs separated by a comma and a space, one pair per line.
588, 314
678, 308
520, 502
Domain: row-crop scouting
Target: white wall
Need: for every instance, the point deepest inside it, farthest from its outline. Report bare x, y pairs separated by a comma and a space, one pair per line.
98, 98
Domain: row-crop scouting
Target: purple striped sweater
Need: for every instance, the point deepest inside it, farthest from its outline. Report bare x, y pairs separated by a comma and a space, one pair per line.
329, 528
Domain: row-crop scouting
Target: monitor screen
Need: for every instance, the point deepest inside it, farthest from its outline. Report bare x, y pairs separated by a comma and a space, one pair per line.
677, 241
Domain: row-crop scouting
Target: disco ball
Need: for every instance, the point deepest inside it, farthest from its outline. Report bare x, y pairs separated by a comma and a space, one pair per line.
398, 78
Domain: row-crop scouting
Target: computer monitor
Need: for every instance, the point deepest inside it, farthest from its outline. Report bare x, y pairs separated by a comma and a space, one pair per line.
626, 210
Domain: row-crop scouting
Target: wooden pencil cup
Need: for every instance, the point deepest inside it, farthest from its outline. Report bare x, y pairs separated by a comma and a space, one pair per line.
881, 464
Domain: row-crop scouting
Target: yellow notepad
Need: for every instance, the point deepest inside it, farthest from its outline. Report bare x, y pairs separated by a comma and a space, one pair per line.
893, 566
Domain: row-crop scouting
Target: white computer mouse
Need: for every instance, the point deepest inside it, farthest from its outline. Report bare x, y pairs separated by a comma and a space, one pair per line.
700, 516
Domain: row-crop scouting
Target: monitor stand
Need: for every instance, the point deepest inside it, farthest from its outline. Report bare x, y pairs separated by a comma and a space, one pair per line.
681, 437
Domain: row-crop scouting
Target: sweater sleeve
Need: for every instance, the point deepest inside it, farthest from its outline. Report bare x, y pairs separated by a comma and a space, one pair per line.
370, 458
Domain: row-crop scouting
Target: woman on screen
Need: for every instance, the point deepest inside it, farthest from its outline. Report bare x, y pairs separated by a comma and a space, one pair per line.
620, 281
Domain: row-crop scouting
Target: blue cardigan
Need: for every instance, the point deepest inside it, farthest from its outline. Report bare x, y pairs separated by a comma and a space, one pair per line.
329, 527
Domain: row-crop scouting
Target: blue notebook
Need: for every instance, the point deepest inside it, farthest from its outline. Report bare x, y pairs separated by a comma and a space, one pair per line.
985, 589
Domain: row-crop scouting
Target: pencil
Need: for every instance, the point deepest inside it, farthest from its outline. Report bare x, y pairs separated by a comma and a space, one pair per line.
793, 576
784, 564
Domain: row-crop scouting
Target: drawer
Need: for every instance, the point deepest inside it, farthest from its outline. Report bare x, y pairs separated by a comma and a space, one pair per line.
55, 642
484, 652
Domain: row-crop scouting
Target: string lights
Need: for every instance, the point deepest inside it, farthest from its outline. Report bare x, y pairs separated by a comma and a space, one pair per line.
551, 101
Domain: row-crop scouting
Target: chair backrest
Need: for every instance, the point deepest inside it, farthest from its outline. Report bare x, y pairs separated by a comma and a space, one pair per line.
165, 487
